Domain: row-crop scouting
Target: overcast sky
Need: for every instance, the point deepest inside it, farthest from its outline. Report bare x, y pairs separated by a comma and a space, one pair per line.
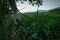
47, 5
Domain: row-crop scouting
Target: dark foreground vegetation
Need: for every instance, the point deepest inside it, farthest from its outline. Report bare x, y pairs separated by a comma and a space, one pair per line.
41, 26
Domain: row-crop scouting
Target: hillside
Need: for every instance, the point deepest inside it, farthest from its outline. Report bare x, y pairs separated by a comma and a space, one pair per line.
45, 26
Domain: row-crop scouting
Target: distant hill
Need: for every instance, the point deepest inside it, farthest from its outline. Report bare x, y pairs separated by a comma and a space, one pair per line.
40, 11
43, 10
55, 9
52, 11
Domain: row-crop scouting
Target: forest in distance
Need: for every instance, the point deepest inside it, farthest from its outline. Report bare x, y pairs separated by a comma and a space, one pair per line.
29, 26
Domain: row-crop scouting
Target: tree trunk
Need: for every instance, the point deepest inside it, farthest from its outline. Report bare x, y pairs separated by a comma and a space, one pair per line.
14, 10
15, 14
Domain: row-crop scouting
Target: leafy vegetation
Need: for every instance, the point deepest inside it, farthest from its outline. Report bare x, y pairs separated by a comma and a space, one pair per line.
43, 26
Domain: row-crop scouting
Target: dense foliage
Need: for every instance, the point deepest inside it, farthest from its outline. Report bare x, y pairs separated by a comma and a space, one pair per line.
6, 20
44, 26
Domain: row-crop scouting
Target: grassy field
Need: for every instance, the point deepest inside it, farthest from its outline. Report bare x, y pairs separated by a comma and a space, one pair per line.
41, 26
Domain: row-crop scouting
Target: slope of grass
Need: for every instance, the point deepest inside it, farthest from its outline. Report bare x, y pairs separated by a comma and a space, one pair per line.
42, 26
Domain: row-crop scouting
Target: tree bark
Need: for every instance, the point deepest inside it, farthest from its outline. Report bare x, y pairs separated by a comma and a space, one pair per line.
14, 10
15, 14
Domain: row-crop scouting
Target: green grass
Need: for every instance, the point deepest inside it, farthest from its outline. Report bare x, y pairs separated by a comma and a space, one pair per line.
42, 26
